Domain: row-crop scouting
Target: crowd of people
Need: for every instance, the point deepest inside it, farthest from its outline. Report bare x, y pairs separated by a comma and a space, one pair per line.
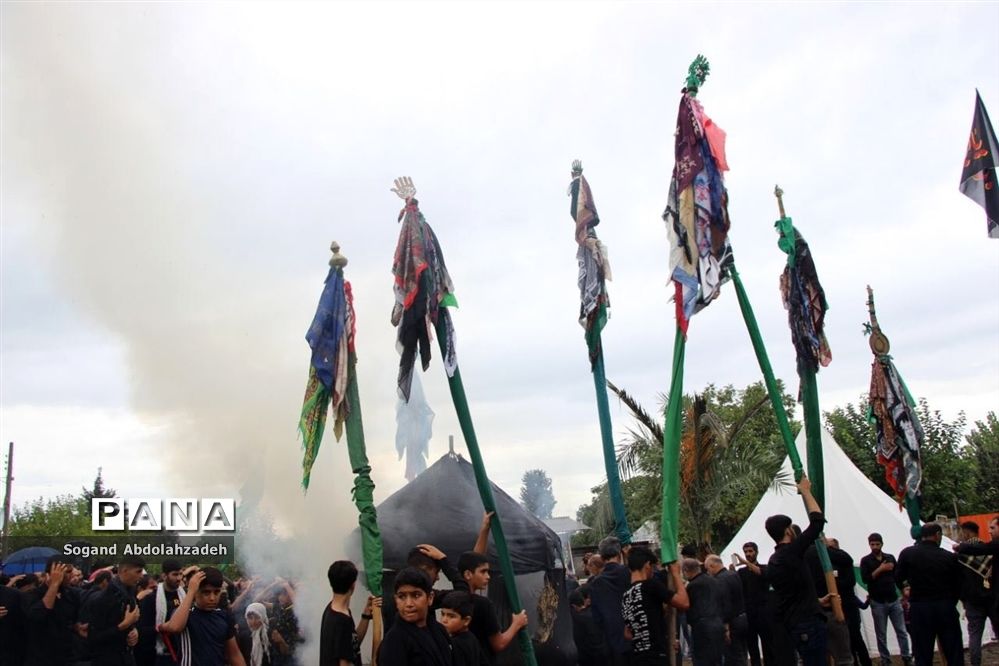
783, 612
780, 612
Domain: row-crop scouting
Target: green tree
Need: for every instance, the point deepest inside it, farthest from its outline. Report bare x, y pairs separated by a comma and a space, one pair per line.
731, 453
950, 461
536, 493
642, 499
64, 515
99, 490
984, 443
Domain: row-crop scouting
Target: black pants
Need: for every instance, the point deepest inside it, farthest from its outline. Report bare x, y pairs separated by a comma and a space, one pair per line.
931, 620
857, 645
735, 651
759, 636
707, 642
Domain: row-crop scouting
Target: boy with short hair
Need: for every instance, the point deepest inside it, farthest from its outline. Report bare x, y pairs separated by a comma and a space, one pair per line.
416, 639
642, 607
212, 631
339, 640
456, 615
474, 570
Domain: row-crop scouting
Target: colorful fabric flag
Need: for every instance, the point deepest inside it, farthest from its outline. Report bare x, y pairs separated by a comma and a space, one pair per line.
804, 299
423, 292
696, 213
978, 178
594, 266
331, 337
900, 435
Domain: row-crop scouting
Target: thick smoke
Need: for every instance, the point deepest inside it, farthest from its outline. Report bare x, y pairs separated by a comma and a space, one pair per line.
158, 207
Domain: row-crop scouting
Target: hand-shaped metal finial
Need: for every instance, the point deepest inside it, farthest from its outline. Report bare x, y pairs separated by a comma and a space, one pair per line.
404, 188
577, 168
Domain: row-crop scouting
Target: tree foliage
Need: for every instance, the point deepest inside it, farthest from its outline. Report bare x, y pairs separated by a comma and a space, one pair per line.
957, 468
731, 453
60, 516
536, 493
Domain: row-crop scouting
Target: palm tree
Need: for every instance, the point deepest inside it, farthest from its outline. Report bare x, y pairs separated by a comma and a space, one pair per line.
717, 463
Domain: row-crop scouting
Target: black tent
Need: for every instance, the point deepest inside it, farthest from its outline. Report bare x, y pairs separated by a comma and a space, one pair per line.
441, 506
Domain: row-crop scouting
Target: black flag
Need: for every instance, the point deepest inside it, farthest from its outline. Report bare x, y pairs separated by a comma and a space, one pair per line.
978, 179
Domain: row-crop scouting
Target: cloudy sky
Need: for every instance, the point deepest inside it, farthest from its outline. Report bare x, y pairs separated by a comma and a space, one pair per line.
173, 174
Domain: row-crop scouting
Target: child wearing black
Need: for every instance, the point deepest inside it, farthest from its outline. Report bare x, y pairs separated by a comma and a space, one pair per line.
211, 629
642, 607
474, 570
339, 640
416, 638
456, 615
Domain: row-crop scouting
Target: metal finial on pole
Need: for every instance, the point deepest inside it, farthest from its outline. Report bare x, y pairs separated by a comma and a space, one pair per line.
878, 341
337, 260
577, 168
779, 193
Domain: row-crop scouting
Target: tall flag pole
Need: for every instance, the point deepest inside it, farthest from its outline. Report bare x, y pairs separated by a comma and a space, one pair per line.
697, 226
978, 178
805, 302
423, 293
333, 385
594, 271
892, 411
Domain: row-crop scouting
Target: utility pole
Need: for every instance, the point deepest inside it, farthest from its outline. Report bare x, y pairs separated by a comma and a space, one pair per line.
6, 500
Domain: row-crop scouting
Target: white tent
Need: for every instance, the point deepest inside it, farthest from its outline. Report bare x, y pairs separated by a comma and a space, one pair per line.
854, 508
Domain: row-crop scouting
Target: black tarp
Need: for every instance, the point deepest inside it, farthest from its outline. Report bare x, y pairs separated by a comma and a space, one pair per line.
442, 507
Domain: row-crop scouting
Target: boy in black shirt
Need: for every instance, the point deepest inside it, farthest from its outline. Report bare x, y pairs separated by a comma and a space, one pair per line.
212, 630
416, 638
456, 615
642, 607
339, 641
474, 570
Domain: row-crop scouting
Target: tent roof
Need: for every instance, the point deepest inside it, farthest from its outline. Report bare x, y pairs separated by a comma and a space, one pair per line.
441, 506
855, 507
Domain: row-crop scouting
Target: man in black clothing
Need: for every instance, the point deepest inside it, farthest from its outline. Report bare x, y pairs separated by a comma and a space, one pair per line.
934, 579
11, 627
979, 591
155, 609
798, 606
707, 629
591, 648
756, 596
844, 640
877, 570
51, 614
642, 608
111, 634
733, 610
606, 592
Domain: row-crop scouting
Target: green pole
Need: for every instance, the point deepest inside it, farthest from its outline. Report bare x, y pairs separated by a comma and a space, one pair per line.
610, 459
594, 344
672, 433
364, 487
768, 373
813, 434
779, 412
486, 493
